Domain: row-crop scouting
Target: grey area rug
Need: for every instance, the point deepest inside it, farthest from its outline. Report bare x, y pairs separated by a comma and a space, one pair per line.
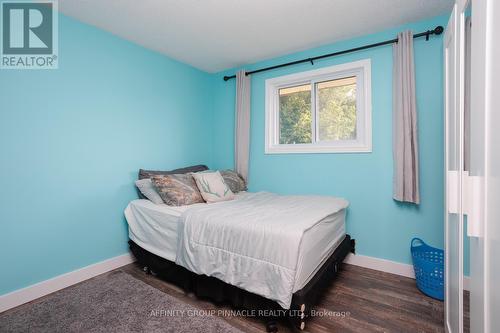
113, 302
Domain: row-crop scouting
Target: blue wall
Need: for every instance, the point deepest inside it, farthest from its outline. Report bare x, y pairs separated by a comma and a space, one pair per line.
72, 140
382, 227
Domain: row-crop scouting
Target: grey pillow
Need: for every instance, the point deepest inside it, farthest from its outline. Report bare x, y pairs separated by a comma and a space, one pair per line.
150, 173
143, 174
235, 182
148, 190
177, 190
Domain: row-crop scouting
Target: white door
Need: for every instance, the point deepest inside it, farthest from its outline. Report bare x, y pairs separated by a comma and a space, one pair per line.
454, 167
492, 225
485, 151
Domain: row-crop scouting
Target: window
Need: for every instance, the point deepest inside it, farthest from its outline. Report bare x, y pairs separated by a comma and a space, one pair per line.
327, 110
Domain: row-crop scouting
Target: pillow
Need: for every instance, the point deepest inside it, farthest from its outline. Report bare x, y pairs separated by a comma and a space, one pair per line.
212, 186
177, 190
233, 179
148, 190
143, 174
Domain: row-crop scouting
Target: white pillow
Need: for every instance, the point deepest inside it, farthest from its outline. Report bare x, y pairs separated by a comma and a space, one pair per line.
212, 186
146, 187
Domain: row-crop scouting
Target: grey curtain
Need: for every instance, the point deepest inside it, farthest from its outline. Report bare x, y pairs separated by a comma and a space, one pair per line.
405, 141
242, 125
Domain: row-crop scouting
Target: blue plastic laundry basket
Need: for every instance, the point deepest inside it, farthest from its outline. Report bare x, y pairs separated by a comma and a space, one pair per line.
428, 263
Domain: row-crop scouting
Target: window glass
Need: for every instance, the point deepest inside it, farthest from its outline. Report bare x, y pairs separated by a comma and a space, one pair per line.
295, 116
337, 109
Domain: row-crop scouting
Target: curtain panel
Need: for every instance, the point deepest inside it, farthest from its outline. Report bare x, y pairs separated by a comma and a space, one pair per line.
405, 140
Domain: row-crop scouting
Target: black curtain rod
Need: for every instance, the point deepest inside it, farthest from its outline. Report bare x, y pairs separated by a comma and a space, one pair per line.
437, 31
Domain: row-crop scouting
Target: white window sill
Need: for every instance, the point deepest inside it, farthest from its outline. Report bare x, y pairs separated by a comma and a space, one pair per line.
316, 149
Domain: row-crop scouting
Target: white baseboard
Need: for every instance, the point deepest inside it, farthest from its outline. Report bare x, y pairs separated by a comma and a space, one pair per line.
467, 283
388, 266
383, 265
21, 296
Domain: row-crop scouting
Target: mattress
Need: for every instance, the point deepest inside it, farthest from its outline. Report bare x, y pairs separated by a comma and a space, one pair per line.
155, 229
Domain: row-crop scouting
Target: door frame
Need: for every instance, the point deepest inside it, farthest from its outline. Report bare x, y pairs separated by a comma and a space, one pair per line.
485, 105
453, 179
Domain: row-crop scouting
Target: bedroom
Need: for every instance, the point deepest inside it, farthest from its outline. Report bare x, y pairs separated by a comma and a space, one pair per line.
132, 87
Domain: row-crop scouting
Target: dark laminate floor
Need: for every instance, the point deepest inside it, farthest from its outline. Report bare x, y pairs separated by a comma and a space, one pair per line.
372, 301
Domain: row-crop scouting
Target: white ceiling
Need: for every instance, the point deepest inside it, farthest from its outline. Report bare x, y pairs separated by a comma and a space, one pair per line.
213, 35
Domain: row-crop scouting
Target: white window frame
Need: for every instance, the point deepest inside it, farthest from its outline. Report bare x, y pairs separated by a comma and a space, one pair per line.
363, 144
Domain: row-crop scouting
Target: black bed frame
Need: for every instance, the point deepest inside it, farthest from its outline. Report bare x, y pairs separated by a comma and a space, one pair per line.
218, 291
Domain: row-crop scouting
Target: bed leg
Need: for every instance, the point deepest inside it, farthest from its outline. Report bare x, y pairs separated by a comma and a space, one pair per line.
302, 324
353, 246
272, 326
297, 318
297, 326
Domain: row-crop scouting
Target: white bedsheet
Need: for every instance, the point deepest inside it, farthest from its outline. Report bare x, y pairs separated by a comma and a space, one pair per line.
155, 228
253, 242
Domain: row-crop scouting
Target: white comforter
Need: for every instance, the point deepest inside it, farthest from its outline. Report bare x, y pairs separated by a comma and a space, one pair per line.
253, 242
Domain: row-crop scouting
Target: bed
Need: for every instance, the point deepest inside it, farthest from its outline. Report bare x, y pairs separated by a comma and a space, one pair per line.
186, 245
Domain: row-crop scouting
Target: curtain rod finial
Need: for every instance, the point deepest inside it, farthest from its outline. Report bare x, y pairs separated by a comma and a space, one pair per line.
438, 30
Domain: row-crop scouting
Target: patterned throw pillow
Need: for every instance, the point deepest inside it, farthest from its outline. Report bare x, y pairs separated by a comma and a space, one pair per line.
233, 179
212, 186
177, 190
